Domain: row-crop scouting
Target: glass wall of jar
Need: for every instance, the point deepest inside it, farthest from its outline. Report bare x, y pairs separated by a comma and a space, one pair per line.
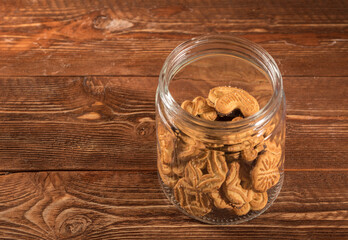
222, 171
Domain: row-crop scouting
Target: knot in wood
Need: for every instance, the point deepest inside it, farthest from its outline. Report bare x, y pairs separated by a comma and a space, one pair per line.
146, 128
94, 87
103, 22
74, 226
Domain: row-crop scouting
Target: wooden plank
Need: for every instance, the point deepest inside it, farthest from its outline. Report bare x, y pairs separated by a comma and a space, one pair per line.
305, 96
123, 204
143, 57
62, 123
26, 145
107, 123
280, 12
121, 38
317, 97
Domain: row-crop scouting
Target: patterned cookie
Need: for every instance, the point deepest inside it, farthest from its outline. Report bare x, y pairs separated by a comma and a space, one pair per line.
217, 170
216, 93
258, 201
273, 147
187, 150
227, 99
165, 152
188, 194
265, 174
199, 107
219, 201
238, 196
245, 142
248, 155
167, 176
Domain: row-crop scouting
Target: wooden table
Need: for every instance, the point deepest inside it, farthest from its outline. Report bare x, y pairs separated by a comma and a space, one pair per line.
77, 131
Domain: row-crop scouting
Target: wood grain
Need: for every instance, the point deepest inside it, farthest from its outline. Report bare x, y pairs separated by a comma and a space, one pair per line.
123, 204
77, 131
83, 123
116, 38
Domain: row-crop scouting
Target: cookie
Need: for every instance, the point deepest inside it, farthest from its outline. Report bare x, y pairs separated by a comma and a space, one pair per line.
199, 107
245, 142
238, 196
227, 99
187, 149
219, 201
188, 194
166, 174
165, 151
265, 173
236, 119
248, 155
217, 170
258, 201
273, 147
216, 93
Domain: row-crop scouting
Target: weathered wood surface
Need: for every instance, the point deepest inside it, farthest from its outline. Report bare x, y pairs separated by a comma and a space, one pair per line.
97, 122
107, 37
77, 87
130, 204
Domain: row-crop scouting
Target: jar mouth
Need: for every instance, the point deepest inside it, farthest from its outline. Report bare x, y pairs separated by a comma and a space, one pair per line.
195, 48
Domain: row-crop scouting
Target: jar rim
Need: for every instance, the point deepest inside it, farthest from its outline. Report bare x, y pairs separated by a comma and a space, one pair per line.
174, 62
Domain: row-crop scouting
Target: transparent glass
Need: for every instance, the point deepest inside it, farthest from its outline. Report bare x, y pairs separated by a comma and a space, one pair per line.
220, 172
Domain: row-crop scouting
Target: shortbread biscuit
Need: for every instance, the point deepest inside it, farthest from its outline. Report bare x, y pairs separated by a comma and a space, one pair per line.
273, 147
199, 107
265, 174
219, 201
258, 201
165, 152
188, 194
187, 149
217, 170
236, 119
166, 174
248, 155
227, 99
238, 196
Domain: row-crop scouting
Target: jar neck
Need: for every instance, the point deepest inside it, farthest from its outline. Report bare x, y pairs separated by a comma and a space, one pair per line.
196, 48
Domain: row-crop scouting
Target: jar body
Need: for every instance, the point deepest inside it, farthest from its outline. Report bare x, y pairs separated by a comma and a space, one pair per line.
218, 174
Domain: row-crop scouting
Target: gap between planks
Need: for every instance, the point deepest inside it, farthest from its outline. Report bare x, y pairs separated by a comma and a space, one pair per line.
132, 170
146, 76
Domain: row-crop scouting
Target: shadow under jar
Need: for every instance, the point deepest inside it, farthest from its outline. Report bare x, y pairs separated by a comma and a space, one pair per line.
220, 172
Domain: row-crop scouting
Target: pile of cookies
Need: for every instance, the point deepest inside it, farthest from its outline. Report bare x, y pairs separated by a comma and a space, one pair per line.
234, 176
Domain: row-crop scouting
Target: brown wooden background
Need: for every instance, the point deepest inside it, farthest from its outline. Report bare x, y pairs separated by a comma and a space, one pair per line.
77, 143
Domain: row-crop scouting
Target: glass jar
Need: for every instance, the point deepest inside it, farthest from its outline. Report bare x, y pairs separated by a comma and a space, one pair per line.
220, 172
